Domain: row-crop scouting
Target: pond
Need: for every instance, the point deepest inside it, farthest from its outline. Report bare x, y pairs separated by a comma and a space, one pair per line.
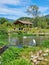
27, 40
24, 40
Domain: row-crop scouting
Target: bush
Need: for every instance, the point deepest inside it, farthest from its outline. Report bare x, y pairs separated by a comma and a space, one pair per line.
2, 43
11, 54
45, 43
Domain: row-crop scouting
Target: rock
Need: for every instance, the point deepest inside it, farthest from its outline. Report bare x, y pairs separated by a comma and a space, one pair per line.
34, 61
40, 59
35, 57
46, 54
46, 60
39, 53
37, 62
32, 56
46, 51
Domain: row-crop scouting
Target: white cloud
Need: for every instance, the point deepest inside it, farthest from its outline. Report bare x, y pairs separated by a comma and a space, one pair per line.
15, 2
43, 10
13, 12
45, 14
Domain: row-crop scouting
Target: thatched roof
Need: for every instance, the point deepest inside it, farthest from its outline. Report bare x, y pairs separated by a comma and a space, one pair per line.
22, 22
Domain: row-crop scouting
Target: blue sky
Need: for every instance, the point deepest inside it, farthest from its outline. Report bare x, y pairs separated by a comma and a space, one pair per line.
14, 9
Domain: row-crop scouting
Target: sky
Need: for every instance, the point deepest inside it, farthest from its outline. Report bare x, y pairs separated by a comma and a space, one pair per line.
14, 9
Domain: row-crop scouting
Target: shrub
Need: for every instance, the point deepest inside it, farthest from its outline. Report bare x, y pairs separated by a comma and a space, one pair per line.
45, 43
3, 43
11, 54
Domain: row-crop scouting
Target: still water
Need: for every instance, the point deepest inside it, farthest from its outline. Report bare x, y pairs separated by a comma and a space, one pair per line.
27, 40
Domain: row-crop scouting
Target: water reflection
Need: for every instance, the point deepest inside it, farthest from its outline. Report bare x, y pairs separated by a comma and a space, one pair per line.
27, 40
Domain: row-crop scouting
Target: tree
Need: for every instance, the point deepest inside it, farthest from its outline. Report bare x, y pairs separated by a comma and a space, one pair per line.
47, 20
3, 20
42, 23
33, 10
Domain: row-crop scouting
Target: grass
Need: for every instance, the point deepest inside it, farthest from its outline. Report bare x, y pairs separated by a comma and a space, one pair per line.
20, 56
20, 61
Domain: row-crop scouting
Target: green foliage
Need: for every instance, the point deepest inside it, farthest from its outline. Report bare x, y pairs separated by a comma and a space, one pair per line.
45, 43
11, 54
3, 20
3, 37
20, 61
19, 56
3, 32
33, 10
1, 44
8, 24
40, 22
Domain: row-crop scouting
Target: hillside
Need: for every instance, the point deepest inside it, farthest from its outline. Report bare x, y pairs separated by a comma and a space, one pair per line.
11, 20
26, 19
47, 16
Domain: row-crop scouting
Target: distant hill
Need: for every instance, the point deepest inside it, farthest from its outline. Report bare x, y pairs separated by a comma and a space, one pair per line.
47, 16
26, 19
11, 20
